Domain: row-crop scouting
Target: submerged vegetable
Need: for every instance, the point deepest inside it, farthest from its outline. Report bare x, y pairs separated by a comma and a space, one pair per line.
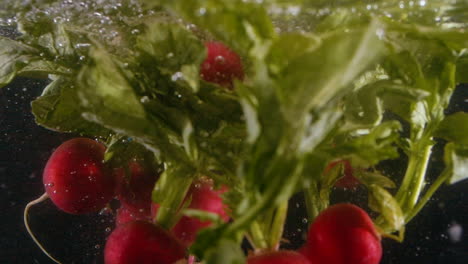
203, 197
343, 234
134, 190
222, 65
142, 242
76, 179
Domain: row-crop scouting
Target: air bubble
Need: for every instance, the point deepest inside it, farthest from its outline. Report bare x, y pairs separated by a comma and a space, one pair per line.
455, 232
145, 99
177, 76
202, 11
220, 60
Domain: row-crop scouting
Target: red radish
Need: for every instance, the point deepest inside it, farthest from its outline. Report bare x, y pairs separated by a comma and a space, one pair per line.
143, 243
134, 191
125, 215
278, 257
76, 179
343, 234
347, 181
222, 65
205, 198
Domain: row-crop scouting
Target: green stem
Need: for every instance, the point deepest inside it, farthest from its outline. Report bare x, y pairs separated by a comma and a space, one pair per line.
422, 202
278, 225
314, 201
413, 181
257, 237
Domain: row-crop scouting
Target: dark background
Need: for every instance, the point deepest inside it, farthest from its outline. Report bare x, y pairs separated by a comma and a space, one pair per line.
25, 148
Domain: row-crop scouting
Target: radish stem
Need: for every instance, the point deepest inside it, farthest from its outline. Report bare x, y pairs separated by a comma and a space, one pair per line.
278, 225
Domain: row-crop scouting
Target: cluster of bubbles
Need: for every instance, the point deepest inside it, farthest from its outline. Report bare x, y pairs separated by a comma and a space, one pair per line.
105, 18
305, 18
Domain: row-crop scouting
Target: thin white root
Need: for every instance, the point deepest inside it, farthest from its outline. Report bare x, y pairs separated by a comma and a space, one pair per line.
25, 217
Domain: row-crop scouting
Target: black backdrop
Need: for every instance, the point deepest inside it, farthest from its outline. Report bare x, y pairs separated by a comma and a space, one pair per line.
25, 147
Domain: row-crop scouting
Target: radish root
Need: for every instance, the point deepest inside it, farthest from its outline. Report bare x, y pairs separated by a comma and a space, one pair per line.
25, 217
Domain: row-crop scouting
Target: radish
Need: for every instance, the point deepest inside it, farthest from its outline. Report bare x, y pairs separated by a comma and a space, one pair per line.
143, 243
134, 191
222, 65
76, 180
125, 215
278, 257
347, 181
203, 197
343, 234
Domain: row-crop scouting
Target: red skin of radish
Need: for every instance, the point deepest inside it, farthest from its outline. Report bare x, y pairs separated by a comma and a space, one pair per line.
125, 215
348, 181
343, 234
76, 179
134, 192
143, 243
278, 257
221, 65
205, 198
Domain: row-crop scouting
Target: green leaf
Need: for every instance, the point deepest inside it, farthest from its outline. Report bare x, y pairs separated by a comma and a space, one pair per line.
58, 109
174, 50
456, 160
238, 23
169, 192
296, 44
367, 147
106, 91
383, 202
15, 57
454, 128
462, 68
370, 178
225, 252
312, 80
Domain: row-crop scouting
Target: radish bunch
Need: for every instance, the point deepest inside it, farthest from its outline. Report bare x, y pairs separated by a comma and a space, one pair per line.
78, 182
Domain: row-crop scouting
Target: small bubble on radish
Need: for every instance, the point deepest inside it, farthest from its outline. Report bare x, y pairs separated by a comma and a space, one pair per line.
220, 60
